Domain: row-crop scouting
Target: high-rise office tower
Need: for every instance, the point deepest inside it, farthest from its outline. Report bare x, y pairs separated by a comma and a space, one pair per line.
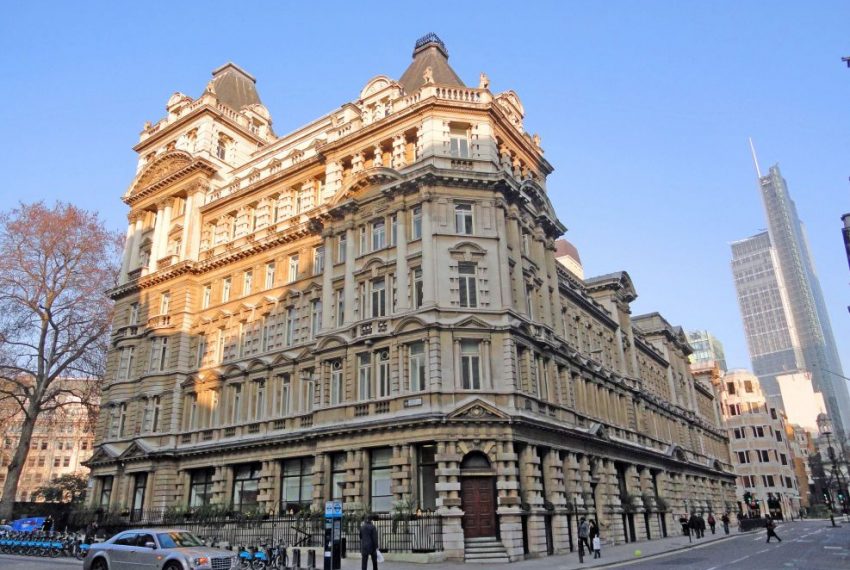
785, 317
707, 349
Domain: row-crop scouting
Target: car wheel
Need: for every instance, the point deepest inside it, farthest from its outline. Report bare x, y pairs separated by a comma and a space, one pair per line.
99, 564
172, 566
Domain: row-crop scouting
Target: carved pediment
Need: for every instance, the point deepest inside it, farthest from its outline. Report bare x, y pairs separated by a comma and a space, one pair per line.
478, 410
473, 323
134, 451
168, 164
100, 455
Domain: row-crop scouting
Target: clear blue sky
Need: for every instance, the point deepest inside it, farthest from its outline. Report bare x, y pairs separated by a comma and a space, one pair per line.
644, 109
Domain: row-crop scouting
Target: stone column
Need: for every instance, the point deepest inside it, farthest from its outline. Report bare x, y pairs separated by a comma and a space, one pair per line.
608, 507
138, 223
554, 294
553, 477
538, 253
448, 499
401, 474
157, 232
161, 239
633, 485
531, 488
333, 179
503, 257
353, 494
515, 242
403, 296
508, 490
321, 478
269, 472
129, 245
398, 152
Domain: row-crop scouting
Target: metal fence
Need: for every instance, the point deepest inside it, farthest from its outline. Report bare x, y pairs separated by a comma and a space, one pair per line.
414, 533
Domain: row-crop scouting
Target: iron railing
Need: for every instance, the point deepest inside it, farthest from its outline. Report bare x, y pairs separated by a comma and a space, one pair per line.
411, 533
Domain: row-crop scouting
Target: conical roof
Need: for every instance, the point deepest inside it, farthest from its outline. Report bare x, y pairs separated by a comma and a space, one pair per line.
234, 86
429, 51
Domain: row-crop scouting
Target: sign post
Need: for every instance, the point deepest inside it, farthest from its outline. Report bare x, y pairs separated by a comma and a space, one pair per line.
333, 535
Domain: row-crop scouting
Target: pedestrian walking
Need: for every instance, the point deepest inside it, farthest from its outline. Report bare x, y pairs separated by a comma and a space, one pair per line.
683, 520
368, 544
711, 522
693, 525
700, 526
583, 533
771, 530
725, 520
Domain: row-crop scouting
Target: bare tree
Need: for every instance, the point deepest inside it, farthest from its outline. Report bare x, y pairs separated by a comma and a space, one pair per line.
56, 265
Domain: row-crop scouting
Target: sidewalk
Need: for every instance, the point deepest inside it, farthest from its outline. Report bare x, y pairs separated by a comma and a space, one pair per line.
569, 561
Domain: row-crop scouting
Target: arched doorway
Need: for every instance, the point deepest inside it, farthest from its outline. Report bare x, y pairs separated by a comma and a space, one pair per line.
478, 496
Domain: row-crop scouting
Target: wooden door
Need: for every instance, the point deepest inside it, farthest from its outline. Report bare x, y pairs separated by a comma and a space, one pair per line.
478, 503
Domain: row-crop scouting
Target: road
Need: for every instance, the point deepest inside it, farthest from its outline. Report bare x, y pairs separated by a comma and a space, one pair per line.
808, 545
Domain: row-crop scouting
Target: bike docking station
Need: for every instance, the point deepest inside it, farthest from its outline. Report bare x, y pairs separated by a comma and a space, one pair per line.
333, 535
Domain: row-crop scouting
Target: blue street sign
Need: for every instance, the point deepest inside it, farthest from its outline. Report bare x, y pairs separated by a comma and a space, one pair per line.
333, 510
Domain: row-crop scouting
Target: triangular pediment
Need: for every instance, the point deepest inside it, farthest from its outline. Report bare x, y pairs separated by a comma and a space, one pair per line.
473, 323
478, 410
134, 451
101, 455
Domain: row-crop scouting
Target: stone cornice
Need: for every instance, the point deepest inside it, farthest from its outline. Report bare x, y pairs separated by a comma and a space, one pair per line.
198, 165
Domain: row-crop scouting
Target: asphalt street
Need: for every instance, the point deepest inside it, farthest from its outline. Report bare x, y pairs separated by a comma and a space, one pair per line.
806, 545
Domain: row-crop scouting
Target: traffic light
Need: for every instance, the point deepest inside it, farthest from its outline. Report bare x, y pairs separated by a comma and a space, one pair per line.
827, 498
840, 497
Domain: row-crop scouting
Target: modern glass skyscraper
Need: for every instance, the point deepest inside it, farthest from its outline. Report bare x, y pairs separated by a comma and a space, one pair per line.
785, 317
707, 349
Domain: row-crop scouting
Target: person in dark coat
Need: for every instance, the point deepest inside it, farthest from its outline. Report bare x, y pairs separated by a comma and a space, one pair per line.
693, 525
583, 534
700, 527
368, 544
725, 520
771, 530
712, 522
683, 520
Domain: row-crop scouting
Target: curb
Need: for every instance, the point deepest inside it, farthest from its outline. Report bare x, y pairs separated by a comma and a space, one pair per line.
59, 560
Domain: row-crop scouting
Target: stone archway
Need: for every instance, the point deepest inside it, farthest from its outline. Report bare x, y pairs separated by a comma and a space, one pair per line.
478, 496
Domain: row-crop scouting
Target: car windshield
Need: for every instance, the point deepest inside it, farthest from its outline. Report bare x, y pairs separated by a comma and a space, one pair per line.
178, 540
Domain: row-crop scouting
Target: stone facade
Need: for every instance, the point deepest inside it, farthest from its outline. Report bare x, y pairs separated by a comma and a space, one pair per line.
370, 309
762, 452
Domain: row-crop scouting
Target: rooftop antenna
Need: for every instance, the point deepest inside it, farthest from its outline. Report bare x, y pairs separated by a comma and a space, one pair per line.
755, 159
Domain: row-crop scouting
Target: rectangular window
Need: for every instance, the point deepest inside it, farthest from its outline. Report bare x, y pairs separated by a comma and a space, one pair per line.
467, 284
336, 382
417, 289
259, 407
428, 477
66, 462
364, 241
730, 388
470, 365
340, 248
778, 435
748, 386
296, 485
315, 317
463, 219
416, 366
164, 302
235, 403
202, 350
206, 296
416, 223
133, 319
247, 282
290, 326
105, 492
225, 289
201, 487
122, 420
364, 376
283, 400
338, 473
293, 268
159, 354
381, 480
383, 373
308, 390
393, 239
743, 457
379, 298
191, 411
125, 364
269, 275
318, 260
783, 459
246, 486
379, 235
459, 142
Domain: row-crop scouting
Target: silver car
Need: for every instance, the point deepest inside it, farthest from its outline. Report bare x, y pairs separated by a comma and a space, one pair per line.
157, 549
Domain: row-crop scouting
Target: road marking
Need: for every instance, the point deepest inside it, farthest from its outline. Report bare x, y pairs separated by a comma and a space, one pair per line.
832, 547
762, 551
739, 560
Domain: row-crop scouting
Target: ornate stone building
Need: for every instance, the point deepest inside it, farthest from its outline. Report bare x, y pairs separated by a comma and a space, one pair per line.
370, 309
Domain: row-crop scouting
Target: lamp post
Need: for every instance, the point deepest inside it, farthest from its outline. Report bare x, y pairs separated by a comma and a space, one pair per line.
825, 428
